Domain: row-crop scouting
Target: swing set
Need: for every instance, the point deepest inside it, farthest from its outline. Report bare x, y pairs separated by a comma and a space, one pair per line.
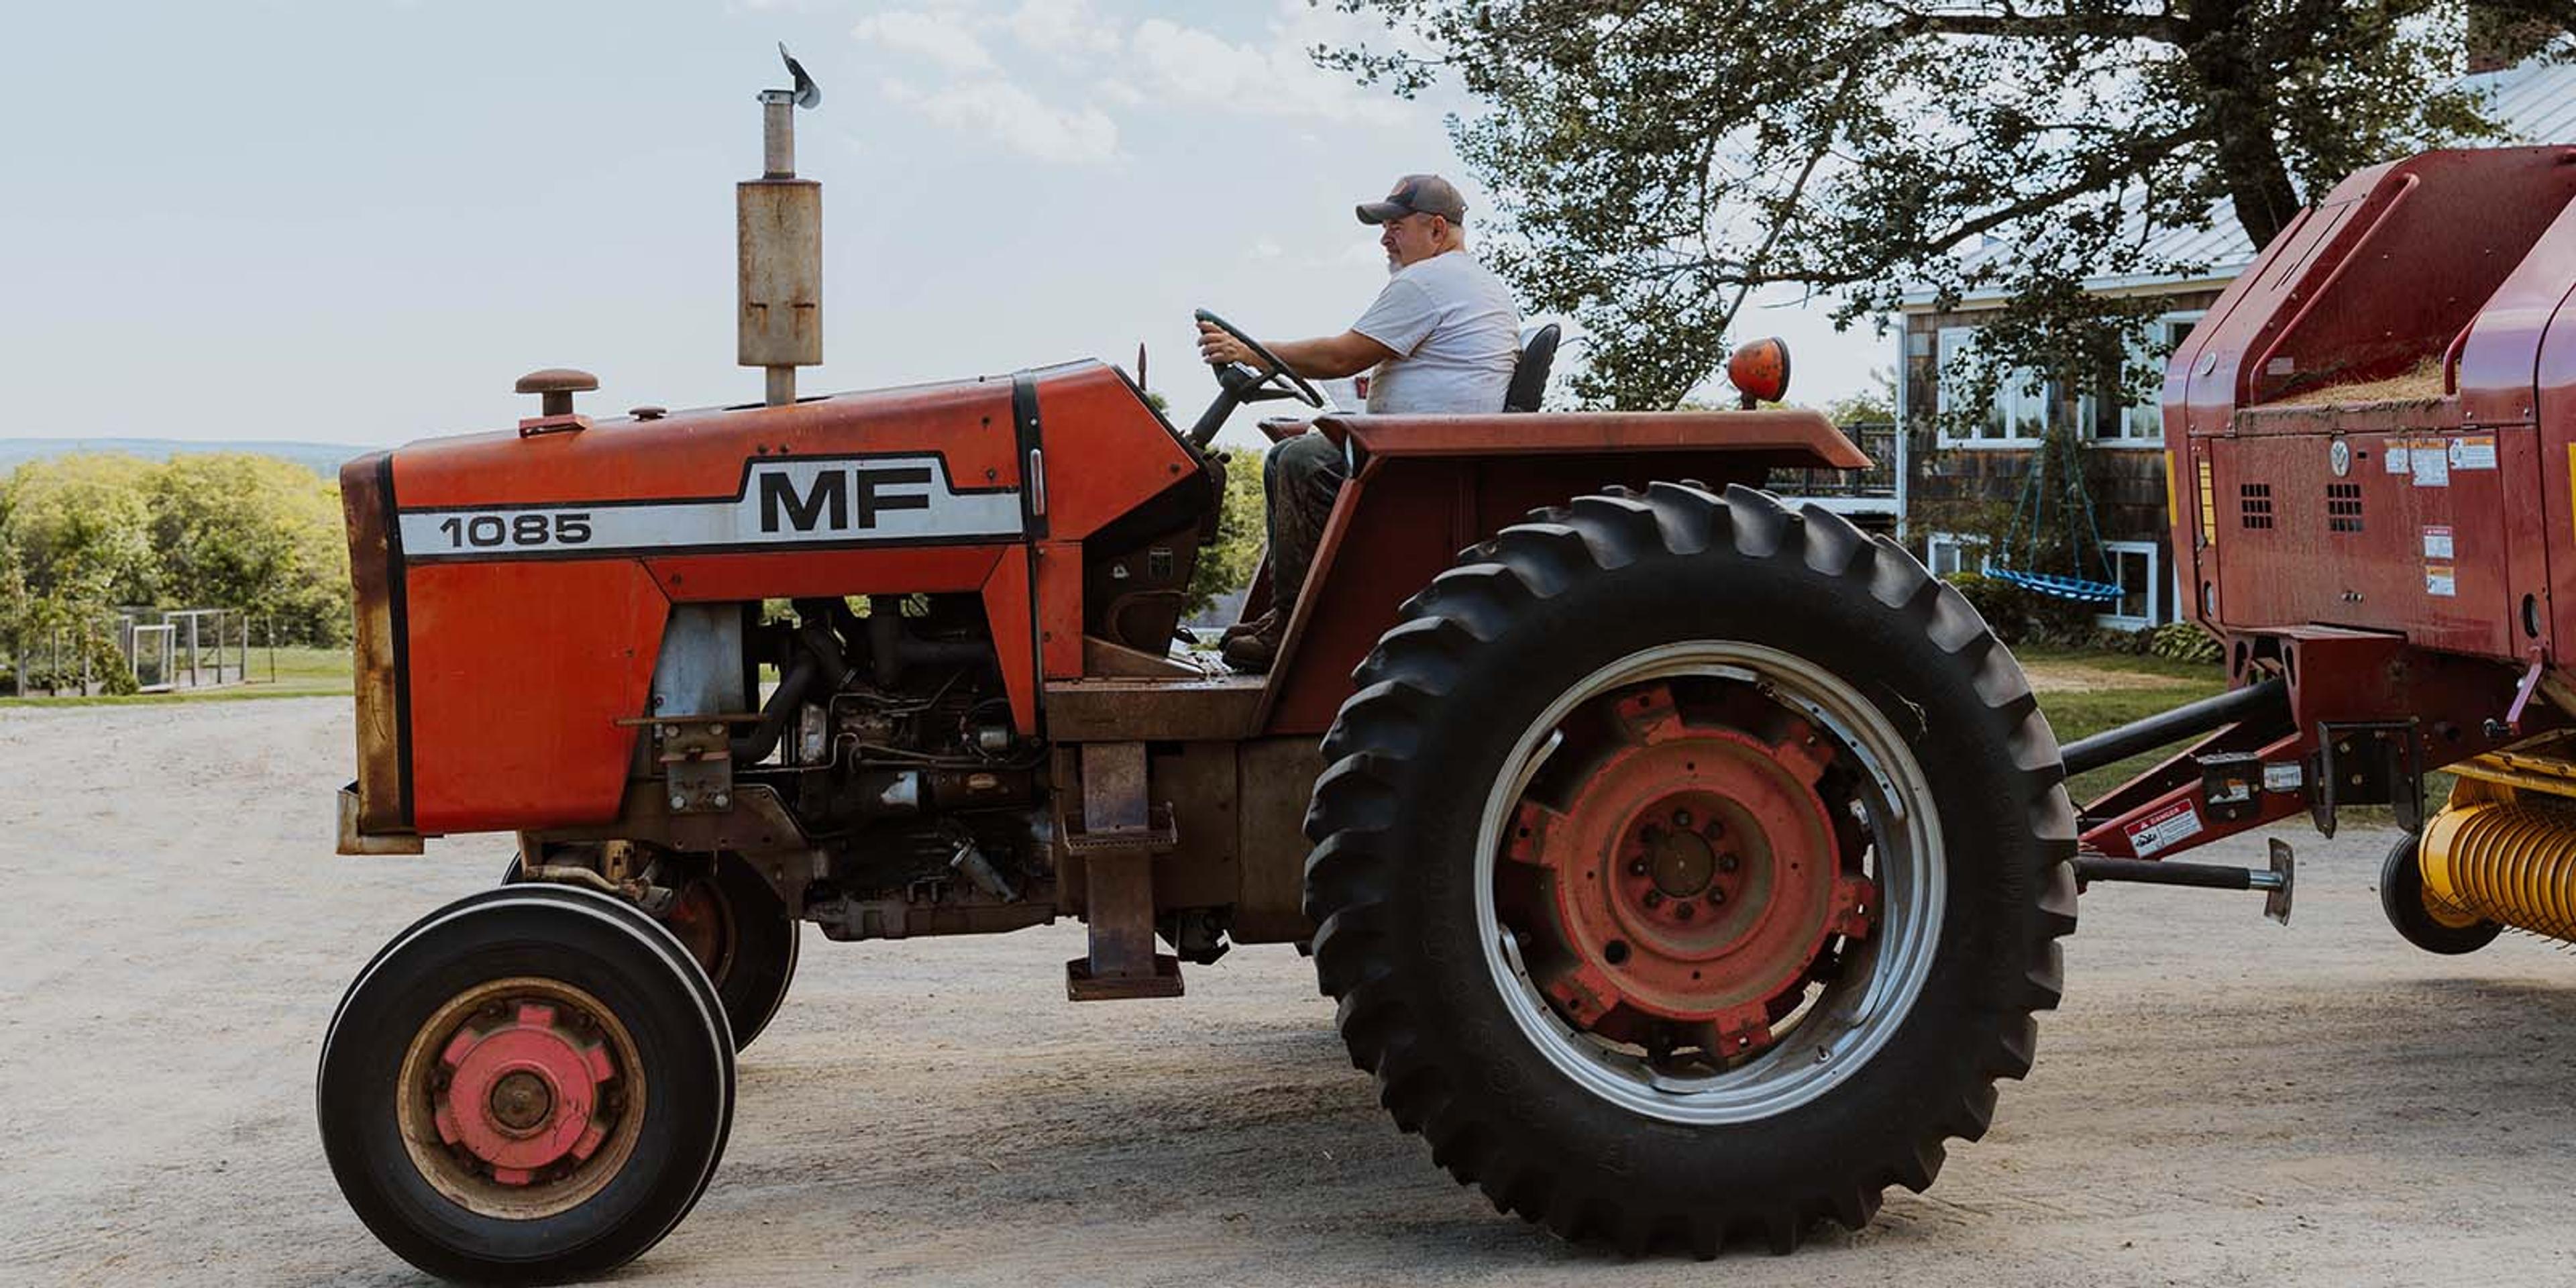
2060, 489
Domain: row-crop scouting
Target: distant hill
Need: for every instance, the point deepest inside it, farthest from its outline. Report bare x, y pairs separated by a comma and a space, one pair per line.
321, 458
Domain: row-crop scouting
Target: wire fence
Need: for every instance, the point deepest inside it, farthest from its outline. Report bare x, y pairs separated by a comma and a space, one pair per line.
140, 650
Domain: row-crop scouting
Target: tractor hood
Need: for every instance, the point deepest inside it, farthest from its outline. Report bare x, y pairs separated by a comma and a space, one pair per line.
554, 553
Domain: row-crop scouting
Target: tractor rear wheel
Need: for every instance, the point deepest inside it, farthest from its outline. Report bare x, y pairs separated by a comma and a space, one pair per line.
737, 928
2401, 896
1758, 897
532, 1083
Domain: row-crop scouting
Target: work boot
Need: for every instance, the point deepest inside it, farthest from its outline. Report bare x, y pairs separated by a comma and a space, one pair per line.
1252, 652
1249, 626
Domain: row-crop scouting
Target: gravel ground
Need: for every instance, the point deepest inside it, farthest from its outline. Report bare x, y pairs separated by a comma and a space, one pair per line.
2220, 1100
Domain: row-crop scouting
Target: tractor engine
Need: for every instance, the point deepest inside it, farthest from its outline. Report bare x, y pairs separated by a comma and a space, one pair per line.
894, 751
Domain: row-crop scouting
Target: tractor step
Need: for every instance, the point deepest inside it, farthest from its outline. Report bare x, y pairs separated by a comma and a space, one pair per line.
2276, 882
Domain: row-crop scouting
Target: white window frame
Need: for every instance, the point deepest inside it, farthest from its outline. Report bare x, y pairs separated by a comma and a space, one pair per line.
2155, 573
2152, 412
2011, 398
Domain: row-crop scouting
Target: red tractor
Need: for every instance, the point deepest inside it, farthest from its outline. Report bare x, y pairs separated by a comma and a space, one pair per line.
1687, 868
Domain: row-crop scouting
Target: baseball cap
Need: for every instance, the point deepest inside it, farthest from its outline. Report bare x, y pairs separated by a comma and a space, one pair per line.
1416, 194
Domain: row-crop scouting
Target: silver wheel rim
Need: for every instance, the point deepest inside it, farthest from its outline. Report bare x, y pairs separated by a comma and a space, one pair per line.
1836, 1035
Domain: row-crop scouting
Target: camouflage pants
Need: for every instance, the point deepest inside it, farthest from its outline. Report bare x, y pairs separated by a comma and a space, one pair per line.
1300, 476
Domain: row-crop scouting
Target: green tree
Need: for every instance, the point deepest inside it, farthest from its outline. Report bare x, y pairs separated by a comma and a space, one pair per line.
15, 605
1654, 161
257, 533
1227, 563
81, 528
1875, 405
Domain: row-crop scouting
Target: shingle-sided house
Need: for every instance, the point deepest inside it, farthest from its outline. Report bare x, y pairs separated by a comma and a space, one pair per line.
1949, 484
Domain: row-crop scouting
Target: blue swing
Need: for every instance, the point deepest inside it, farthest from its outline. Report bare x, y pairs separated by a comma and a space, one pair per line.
2034, 503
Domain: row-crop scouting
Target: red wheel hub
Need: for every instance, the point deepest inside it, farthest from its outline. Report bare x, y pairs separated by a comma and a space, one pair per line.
1691, 878
525, 1093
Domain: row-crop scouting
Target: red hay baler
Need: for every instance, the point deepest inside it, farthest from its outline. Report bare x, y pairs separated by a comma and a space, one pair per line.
2369, 442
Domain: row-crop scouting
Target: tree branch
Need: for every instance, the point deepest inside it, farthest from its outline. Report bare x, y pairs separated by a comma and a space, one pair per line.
2140, 155
2013, 25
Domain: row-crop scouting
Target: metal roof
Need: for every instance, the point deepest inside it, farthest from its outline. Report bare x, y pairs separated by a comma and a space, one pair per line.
2534, 102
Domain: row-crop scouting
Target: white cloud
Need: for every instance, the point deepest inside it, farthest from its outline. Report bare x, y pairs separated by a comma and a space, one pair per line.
943, 38
1266, 249
1189, 65
1119, 92
1066, 28
1018, 119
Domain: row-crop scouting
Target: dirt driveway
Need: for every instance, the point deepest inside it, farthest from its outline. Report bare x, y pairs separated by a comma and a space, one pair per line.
2220, 1101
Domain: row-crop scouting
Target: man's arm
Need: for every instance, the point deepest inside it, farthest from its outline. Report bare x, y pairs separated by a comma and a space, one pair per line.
1323, 358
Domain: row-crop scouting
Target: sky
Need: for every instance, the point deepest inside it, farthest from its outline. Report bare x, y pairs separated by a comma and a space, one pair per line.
360, 220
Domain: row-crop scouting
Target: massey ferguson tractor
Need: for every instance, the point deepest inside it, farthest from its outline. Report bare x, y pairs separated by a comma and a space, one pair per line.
1687, 868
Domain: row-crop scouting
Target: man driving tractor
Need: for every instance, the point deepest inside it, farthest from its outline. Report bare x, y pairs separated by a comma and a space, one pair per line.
1442, 337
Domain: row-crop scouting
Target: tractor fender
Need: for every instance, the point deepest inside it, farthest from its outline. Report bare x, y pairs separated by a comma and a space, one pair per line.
1786, 437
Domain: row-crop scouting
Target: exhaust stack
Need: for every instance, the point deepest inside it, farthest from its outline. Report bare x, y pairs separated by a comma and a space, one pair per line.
779, 219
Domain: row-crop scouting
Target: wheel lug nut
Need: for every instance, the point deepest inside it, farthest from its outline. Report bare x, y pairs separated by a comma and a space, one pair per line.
1716, 897
1654, 898
1636, 867
1682, 910
1682, 819
1726, 863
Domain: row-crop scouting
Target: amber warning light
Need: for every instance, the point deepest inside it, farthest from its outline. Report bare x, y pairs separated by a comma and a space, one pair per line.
1760, 371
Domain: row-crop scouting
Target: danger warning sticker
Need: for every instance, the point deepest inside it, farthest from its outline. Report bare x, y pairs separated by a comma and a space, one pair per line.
2437, 541
2164, 829
2473, 452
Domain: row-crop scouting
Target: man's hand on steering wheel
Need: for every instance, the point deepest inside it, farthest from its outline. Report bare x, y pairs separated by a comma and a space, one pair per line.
1217, 349
1245, 368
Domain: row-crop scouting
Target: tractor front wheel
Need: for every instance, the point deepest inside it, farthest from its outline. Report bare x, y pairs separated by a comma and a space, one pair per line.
1756, 897
736, 927
532, 1083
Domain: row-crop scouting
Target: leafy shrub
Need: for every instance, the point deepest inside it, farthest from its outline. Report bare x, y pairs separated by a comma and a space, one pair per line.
2004, 606
2183, 642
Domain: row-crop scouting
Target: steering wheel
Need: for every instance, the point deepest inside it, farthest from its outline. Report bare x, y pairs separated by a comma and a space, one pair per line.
1237, 384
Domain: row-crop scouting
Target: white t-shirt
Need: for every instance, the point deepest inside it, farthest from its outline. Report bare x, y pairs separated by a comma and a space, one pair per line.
1455, 334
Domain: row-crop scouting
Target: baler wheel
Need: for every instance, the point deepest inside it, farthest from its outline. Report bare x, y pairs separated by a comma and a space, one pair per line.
2401, 896
531, 1084
1761, 896
737, 928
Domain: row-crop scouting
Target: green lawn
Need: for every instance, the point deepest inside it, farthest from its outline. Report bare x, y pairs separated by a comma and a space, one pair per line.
297, 673
2081, 710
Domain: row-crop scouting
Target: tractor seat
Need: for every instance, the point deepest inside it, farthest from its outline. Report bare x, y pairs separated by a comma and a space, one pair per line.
1529, 372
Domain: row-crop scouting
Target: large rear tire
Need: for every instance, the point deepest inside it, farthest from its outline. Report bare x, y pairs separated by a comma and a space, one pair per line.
533, 1083
1762, 898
